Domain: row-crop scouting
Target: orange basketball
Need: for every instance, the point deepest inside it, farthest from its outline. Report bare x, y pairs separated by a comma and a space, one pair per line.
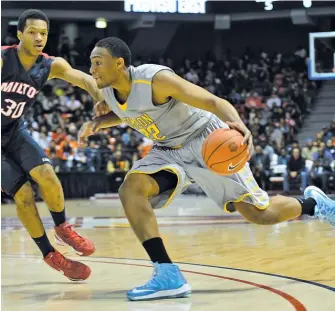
223, 153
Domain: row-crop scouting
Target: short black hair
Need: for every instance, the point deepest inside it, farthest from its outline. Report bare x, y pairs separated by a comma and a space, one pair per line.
31, 14
117, 48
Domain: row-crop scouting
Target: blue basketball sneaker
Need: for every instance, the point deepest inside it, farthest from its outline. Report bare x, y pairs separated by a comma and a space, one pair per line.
325, 207
167, 282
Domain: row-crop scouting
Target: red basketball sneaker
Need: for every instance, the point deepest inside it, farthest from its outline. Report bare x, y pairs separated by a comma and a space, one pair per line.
66, 235
74, 270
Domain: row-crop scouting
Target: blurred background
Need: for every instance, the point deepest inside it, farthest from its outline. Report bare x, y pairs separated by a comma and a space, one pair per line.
252, 53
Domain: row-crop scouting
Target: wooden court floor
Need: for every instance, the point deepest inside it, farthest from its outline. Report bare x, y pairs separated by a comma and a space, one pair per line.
230, 264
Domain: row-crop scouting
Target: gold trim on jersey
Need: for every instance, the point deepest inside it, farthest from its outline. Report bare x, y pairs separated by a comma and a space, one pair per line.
142, 81
241, 198
165, 168
176, 147
124, 106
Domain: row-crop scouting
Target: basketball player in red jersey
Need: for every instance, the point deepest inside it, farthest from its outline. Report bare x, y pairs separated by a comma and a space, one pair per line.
25, 70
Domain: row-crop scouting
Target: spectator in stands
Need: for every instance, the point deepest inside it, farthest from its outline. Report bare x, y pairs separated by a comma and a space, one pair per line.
321, 169
283, 158
43, 140
54, 121
273, 101
73, 104
80, 161
118, 163
277, 136
105, 154
64, 48
132, 146
59, 135
78, 53
34, 133
93, 159
126, 136
291, 126
11, 37
330, 132
254, 101
192, 76
295, 170
54, 149
67, 155
330, 148
323, 153
309, 150
260, 167
267, 147
117, 166
57, 163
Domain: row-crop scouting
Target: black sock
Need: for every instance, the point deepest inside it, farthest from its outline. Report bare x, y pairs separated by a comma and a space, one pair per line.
308, 206
44, 245
156, 250
58, 217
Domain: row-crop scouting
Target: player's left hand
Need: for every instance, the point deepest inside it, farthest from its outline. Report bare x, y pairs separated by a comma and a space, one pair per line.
101, 108
240, 126
86, 130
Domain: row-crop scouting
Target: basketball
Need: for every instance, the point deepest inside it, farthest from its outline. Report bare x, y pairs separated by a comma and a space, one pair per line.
223, 153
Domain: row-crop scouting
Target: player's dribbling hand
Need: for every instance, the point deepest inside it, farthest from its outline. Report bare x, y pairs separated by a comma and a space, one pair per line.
101, 108
87, 129
240, 126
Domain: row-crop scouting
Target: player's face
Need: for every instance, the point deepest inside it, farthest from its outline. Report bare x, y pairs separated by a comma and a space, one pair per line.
105, 68
34, 36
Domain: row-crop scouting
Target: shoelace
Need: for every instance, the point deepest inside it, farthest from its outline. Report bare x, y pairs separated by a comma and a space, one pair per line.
155, 274
59, 260
322, 210
69, 233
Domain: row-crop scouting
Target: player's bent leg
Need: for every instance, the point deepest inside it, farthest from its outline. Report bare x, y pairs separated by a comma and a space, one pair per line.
280, 209
50, 186
28, 215
135, 193
315, 204
53, 196
242, 191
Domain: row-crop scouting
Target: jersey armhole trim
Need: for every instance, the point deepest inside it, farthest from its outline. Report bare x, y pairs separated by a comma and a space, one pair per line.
143, 82
170, 100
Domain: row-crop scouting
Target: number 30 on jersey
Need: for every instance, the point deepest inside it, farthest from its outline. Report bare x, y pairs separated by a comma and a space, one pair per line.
13, 110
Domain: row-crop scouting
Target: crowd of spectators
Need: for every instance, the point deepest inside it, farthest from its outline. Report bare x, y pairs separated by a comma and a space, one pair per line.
312, 163
272, 93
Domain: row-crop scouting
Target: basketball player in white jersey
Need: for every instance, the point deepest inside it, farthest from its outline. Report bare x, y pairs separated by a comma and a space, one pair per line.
178, 115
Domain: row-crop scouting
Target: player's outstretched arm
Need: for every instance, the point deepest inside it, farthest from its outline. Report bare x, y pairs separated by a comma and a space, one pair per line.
167, 84
61, 69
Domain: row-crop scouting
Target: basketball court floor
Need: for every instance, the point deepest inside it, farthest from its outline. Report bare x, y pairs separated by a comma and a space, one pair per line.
230, 264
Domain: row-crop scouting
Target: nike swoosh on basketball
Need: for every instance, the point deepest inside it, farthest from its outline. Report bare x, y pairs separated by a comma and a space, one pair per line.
231, 167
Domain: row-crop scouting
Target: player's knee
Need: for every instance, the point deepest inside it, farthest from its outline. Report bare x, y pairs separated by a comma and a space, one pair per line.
265, 218
45, 175
24, 197
135, 184
255, 215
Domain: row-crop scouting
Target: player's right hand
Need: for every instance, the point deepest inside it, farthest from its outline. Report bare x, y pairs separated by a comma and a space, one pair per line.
240, 126
101, 108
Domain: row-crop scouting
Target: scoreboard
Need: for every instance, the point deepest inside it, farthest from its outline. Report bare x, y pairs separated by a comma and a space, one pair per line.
212, 7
